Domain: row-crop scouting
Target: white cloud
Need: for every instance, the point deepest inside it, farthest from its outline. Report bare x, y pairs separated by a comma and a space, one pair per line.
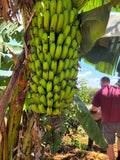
84, 75
94, 82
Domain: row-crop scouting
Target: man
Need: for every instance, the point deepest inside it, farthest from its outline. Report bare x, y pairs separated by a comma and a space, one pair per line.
108, 97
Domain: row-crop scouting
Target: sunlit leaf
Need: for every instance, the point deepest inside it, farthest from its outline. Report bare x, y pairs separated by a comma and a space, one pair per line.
88, 123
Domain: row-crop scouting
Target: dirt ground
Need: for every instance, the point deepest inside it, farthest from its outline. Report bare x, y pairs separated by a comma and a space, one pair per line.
70, 152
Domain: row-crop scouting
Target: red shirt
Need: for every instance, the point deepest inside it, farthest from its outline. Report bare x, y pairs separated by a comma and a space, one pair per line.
108, 98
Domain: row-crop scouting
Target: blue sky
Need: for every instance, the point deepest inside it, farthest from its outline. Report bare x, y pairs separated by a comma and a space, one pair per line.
93, 76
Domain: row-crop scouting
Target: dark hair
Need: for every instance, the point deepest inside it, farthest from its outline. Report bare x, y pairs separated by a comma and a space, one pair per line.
105, 79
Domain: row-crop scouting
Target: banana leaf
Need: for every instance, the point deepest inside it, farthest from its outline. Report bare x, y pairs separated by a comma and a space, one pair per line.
93, 26
88, 123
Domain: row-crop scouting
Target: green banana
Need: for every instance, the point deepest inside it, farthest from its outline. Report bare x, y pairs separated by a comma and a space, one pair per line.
41, 31
37, 64
33, 49
75, 54
40, 20
52, 37
44, 38
59, 6
67, 91
68, 41
34, 108
71, 63
72, 17
78, 37
52, 49
72, 93
66, 31
41, 57
52, 7
66, 19
64, 52
49, 102
33, 56
49, 95
47, 57
53, 23
56, 97
41, 90
72, 72
38, 8
74, 44
60, 39
51, 75
42, 99
62, 94
70, 53
45, 75
45, 48
41, 108
64, 5
35, 98
49, 110
34, 22
58, 52
73, 32
57, 88
60, 23
60, 66
33, 87
46, 65
57, 104
69, 5
56, 80
54, 65
63, 84
46, 20
46, 5
62, 75
31, 34
35, 31
35, 79
39, 49
49, 86
66, 63
43, 82
32, 66
39, 72
67, 72
56, 111
32, 42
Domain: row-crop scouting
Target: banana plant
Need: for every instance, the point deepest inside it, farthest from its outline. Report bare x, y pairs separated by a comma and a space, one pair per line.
85, 17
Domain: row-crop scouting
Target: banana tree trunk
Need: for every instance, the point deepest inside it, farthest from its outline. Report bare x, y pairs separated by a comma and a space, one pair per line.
16, 107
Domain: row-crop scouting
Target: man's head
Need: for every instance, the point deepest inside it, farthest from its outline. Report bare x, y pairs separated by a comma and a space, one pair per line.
105, 81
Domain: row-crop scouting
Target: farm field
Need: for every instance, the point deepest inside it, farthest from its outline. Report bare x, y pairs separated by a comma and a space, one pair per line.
68, 151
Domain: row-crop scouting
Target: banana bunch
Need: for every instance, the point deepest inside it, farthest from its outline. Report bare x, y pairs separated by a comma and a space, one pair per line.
53, 61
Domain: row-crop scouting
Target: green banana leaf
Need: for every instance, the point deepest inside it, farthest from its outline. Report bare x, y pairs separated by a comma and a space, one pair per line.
103, 58
88, 123
93, 26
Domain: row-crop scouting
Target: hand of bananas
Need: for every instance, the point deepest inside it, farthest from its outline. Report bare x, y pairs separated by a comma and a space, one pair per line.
55, 40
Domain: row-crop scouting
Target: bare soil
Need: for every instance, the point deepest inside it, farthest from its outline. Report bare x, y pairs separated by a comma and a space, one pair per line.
70, 152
